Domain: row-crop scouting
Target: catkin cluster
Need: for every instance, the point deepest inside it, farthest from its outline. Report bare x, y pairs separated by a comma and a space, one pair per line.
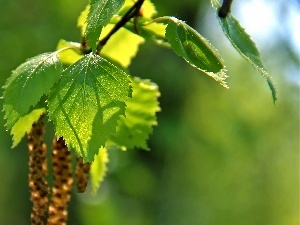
63, 181
82, 174
37, 172
55, 212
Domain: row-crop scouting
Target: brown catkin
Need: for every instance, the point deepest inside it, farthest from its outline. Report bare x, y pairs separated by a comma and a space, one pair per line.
37, 172
82, 174
62, 185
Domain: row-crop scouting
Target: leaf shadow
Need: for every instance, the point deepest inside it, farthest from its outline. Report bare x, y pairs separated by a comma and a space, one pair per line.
104, 125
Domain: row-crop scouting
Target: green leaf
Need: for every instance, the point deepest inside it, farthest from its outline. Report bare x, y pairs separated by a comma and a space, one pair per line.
195, 49
242, 42
24, 125
101, 11
134, 129
28, 83
98, 169
72, 52
147, 10
81, 22
87, 103
149, 30
144, 25
147, 27
122, 46
157, 30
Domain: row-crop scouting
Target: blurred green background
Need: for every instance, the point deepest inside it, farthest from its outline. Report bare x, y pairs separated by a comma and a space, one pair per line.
218, 156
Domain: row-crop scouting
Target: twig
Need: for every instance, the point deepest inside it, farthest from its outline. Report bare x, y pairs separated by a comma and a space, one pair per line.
225, 8
132, 12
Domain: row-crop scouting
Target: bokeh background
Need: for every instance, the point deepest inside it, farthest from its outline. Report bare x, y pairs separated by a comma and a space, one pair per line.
218, 156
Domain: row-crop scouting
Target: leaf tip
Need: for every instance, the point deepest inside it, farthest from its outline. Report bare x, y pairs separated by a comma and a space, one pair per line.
273, 90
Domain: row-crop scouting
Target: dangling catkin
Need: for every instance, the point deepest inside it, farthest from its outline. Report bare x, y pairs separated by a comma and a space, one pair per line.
82, 174
37, 172
63, 181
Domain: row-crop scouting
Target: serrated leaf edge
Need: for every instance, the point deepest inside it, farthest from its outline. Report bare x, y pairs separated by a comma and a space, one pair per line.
51, 54
218, 76
262, 70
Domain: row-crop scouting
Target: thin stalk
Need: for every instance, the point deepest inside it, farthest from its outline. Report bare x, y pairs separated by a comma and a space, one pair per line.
131, 13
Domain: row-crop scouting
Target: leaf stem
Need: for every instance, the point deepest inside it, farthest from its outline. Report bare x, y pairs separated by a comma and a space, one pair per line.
225, 8
132, 12
162, 19
76, 49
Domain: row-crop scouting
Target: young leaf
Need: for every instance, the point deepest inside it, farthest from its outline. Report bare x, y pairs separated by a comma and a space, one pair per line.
81, 22
148, 28
24, 125
158, 30
87, 103
150, 31
28, 83
71, 55
242, 42
147, 10
134, 129
195, 49
99, 168
121, 51
101, 11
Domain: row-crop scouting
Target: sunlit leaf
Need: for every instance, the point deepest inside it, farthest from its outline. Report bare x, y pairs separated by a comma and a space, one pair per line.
118, 51
126, 6
71, 54
150, 31
122, 46
100, 13
156, 29
195, 49
87, 103
144, 26
98, 169
28, 83
81, 22
140, 116
24, 125
148, 10
242, 42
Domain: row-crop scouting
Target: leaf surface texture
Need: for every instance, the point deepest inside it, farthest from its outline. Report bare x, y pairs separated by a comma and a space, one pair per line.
195, 49
100, 13
140, 116
28, 83
87, 103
